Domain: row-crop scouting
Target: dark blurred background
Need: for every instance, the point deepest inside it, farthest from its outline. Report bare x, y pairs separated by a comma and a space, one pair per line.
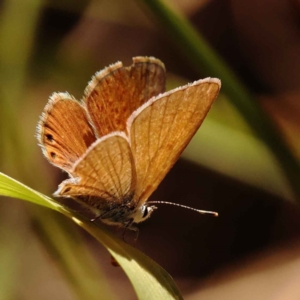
251, 251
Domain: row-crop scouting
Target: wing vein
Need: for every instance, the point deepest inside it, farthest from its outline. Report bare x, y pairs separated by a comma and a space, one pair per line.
115, 179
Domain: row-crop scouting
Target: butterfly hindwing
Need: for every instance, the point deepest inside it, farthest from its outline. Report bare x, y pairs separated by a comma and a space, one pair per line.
106, 172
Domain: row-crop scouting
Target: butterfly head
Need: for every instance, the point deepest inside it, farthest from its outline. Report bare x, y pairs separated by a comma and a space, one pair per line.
142, 213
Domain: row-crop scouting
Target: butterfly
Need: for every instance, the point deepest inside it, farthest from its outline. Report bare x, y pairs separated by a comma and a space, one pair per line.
119, 142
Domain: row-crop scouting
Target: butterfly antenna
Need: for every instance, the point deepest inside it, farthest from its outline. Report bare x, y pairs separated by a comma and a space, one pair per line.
204, 212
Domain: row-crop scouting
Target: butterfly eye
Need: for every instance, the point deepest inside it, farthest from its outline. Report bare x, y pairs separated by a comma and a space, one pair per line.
145, 213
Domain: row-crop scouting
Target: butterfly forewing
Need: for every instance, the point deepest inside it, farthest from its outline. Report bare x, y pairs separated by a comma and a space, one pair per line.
64, 132
160, 130
106, 171
114, 93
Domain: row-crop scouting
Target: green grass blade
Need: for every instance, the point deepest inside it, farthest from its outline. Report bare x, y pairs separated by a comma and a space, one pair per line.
12, 188
254, 165
65, 244
149, 280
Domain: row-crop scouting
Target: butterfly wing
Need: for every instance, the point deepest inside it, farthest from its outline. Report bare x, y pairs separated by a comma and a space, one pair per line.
117, 91
161, 129
106, 173
64, 132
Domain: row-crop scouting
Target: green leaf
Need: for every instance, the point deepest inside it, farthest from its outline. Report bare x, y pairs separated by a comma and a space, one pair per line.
12, 188
65, 245
149, 280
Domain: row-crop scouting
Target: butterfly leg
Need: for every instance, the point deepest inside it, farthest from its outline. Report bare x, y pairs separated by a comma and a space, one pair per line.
101, 216
137, 231
95, 218
128, 225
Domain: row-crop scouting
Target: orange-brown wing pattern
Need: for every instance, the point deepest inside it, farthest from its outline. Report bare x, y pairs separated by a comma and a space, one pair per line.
106, 171
114, 93
64, 132
161, 129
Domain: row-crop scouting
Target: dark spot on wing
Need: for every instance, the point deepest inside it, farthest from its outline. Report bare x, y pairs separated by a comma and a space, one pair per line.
49, 137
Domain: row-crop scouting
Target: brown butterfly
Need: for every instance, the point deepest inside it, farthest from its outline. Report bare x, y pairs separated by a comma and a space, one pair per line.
122, 138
